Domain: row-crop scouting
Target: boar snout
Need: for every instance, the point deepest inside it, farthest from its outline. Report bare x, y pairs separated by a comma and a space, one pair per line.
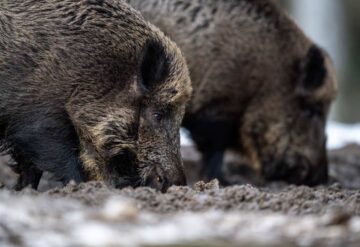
297, 170
161, 180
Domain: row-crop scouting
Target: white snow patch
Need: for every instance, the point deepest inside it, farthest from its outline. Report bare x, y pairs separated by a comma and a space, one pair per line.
46, 221
339, 135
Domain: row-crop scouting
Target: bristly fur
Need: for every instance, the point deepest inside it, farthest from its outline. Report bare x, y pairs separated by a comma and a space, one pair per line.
261, 87
72, 102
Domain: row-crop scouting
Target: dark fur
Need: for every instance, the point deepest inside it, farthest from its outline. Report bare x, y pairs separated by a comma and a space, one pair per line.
261, 87
90, 91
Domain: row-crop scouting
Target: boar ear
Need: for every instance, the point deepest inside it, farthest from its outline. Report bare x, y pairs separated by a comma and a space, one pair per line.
312, 70
154, 65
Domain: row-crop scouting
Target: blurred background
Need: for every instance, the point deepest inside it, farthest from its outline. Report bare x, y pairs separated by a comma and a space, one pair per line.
335, 26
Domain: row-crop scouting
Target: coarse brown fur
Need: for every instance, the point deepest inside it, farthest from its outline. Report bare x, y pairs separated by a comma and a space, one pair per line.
90, 91
261, 87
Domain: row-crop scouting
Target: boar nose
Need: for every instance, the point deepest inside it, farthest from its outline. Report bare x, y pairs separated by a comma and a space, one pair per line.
162, 183
296, 170
157, 182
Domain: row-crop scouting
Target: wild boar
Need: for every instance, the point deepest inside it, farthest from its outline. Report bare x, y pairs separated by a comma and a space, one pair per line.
90, 91
261, 87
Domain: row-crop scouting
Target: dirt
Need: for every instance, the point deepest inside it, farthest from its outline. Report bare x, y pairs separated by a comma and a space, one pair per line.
203, 214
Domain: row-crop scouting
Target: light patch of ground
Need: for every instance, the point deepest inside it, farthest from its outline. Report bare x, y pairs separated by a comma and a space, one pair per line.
275, 214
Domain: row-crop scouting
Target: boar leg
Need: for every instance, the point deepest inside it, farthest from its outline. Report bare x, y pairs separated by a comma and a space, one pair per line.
212, 138
213, 165
45, 144
28, 176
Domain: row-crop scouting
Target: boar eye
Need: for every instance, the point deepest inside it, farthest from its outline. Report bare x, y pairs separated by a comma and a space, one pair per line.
313, 112
158, 116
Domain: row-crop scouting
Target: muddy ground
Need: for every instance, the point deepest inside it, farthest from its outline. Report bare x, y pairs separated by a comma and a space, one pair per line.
273, 214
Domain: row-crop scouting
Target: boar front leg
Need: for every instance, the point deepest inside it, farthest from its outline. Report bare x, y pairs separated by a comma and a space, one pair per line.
212, 138
28, 176
45, 143
212, 165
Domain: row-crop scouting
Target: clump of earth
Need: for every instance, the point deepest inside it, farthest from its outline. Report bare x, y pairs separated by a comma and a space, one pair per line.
202, 214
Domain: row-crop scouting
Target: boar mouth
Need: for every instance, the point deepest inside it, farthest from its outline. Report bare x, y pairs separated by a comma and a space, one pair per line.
124, 182
295, 169
123, 171
159, 178
153, 176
